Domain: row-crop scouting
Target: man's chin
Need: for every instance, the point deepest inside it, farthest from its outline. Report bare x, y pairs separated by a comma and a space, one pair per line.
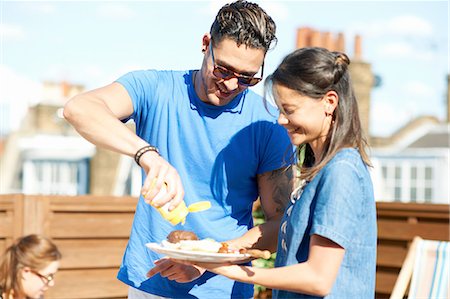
224, 98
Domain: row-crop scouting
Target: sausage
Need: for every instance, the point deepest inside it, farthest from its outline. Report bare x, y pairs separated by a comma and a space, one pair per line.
178, 235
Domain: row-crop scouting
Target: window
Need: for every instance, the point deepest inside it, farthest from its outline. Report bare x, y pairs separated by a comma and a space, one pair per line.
407, 179
55, 177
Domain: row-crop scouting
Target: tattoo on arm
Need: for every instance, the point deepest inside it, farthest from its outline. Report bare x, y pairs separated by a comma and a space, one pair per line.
282, 181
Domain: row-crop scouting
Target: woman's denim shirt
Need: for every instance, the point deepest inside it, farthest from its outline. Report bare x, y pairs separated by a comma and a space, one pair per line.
337, 204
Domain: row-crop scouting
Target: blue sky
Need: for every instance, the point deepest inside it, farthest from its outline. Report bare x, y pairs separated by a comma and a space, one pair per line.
94, 42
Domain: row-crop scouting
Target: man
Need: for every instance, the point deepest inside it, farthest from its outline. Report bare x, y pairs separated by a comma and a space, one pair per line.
205, 136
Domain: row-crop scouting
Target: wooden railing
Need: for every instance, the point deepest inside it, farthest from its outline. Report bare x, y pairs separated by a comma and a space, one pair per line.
92, 232
398, 223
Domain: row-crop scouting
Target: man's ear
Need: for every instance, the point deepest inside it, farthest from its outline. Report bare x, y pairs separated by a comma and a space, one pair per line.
205, 42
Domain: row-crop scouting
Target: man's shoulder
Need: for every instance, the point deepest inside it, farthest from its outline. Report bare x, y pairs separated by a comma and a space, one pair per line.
261, 104
153, 77
248, 93
159, 73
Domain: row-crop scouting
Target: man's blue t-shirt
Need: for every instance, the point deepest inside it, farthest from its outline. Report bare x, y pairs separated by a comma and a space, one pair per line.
337, 204
218, 151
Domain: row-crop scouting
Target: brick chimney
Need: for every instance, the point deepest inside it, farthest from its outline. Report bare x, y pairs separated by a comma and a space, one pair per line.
360, 71
308, 37
357, 55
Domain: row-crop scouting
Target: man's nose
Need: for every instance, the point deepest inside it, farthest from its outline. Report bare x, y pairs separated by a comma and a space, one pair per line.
231, 84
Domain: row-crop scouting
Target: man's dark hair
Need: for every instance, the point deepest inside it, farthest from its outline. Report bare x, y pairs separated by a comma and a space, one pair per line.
245, 23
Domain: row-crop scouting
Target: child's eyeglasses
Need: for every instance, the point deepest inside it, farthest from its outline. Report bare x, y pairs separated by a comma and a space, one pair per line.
45, 278
226, 74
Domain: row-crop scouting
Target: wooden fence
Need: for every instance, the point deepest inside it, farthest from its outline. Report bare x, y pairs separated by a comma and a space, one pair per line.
398, 223
92, 232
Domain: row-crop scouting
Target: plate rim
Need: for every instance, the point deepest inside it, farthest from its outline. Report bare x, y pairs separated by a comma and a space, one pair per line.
234, 257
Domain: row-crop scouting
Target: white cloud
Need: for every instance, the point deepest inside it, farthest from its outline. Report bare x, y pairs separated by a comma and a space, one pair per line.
386, 117
11, 32
409, 25
44, 8
418, 89
389, 112
17, 94
116, 11
404, 37
405, 25
89, 75
278, 11
404, 50
92, 71
18, 88
214, 6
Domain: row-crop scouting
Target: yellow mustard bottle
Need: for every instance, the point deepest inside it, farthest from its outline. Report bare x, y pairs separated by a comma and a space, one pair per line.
180, 212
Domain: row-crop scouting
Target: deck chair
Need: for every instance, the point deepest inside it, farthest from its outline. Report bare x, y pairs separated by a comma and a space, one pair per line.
426, 270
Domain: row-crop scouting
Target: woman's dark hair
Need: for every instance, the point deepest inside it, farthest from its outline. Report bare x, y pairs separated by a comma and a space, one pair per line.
245, 23
313, 72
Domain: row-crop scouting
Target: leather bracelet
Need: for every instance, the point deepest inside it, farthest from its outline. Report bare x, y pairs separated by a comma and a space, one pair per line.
141, 151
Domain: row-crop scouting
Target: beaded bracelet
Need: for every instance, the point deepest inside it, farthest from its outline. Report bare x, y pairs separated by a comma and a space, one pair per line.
142, 151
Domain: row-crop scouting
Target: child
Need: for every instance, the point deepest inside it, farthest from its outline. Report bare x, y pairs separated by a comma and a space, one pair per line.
27, 268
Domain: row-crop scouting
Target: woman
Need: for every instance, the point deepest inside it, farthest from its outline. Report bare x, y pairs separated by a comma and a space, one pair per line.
27, 268
327, 238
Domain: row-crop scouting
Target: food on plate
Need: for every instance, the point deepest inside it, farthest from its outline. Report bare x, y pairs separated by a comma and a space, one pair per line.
187, 240
178, 235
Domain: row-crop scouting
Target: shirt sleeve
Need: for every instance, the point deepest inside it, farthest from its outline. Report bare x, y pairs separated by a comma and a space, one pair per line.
140, 86
338, 203
276, 149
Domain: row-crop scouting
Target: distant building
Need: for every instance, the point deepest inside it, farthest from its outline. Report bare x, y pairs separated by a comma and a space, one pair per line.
414, 166
46, 156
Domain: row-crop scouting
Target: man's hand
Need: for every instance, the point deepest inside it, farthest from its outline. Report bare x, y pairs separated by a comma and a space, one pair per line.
176, 271
161, 175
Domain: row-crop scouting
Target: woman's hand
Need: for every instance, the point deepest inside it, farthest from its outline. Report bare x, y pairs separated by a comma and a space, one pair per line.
226, 269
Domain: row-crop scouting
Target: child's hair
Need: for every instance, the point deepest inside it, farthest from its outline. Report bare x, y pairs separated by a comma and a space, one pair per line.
313, 72
33, 251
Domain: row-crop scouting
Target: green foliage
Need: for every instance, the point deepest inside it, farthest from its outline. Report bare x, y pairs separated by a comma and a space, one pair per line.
262, 263
258, 218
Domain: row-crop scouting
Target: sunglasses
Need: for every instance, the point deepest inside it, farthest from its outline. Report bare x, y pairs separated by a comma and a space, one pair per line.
45, 278
226, 74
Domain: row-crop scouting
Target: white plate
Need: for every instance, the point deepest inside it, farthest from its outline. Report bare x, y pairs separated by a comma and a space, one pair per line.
198, 256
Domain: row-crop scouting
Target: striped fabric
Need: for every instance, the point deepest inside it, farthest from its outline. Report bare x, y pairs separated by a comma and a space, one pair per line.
430, 278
